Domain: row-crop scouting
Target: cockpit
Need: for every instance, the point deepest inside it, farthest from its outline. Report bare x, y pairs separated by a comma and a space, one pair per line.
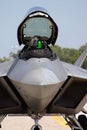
37, 32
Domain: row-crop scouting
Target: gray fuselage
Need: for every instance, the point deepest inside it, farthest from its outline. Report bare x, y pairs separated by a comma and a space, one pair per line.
37, 80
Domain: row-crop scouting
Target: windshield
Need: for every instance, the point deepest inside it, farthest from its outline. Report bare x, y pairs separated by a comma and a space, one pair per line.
37, 26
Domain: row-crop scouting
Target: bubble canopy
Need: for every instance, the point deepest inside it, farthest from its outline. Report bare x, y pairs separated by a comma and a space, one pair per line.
40, 24
37, 26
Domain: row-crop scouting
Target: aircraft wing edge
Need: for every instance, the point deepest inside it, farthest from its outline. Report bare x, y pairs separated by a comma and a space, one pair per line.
4, 68
75, 71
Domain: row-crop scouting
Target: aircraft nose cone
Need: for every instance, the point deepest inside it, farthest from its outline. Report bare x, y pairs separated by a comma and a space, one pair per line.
37, 81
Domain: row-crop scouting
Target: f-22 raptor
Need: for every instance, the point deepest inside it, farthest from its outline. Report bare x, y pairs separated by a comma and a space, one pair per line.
37, 83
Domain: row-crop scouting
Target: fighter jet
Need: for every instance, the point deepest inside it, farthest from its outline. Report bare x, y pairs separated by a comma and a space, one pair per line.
37, 83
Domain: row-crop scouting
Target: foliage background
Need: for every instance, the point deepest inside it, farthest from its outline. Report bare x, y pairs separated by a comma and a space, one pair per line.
70, 55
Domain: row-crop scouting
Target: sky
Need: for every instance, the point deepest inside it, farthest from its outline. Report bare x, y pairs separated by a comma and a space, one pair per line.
69, 15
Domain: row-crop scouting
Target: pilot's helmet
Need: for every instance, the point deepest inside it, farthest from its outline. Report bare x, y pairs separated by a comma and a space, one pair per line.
37, 23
